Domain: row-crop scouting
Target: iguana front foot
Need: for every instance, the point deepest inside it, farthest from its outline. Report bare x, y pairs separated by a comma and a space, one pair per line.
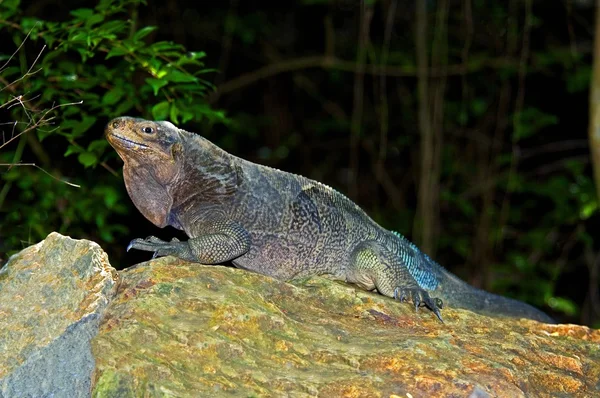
420, 298
162, 248
217, 243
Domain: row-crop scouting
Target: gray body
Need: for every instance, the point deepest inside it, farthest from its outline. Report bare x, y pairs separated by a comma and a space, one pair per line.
287, 226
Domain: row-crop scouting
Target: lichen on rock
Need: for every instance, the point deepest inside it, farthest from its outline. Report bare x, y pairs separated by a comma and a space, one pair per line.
192, 330
52, 295
70, 325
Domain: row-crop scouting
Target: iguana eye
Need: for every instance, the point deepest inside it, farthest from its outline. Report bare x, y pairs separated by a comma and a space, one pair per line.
147, 130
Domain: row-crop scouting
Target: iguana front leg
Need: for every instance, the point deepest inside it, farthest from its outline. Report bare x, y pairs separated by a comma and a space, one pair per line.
374, 266
217, 243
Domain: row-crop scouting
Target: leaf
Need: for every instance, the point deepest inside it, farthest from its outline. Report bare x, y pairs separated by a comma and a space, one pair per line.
588, 210
110, 197
478, 106
195, 54
116, 52
563, 305
100, 220
29, 23
42, 134
94, 19
82, 13
83, 126
10, 5
84, 54
160, 111
87, 159
156, 84
579, 80
165, 46
531, 121
113, 26
124, 107
140, 34
113, 95
178, 76
71, 150
186, 115
174, 114
97, 146
191, 58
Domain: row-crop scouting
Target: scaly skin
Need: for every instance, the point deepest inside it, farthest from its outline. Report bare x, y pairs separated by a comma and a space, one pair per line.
276, 223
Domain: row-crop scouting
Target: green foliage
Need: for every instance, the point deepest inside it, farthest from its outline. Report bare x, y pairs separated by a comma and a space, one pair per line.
101, 61
531, 121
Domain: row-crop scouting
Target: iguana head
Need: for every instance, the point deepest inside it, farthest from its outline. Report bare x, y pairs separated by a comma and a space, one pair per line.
154, 146
151, 153
166, 166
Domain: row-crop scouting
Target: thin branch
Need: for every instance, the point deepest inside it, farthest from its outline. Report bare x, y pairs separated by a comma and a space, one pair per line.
558, 146
10, 165
18, 48
570, 28
594, 106
366, 14
29, 72
517, 114
423, 220
331, 62
468, 40
11, 24
227, 42
383, 100
43, 120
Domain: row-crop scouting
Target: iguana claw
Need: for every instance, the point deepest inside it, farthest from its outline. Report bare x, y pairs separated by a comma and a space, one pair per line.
152, 244
160, 248
420, 298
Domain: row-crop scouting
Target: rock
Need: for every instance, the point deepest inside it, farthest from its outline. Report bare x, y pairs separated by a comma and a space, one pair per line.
52, 296
179, 329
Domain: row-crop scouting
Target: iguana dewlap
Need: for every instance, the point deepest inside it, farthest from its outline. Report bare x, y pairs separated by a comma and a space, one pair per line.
276, 223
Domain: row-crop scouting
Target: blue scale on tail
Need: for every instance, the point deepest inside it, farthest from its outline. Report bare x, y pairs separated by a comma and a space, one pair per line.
420, 266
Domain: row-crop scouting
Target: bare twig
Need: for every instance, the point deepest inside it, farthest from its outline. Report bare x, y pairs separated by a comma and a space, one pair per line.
43, 120
18, 48
29, 72
10, 165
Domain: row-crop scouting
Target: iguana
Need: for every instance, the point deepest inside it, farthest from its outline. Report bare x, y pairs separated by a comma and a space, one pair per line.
276, 223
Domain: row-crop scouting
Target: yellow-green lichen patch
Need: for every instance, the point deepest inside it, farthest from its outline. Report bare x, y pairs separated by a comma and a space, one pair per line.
218, 331
48, 291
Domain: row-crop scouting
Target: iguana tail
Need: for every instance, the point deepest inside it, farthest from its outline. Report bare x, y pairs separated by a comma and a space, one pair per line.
457, 293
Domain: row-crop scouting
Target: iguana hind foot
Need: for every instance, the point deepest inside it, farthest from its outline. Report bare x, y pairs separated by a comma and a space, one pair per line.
374, 266
420, 298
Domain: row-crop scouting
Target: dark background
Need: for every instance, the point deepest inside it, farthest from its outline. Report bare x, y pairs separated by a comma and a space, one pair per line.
511, 205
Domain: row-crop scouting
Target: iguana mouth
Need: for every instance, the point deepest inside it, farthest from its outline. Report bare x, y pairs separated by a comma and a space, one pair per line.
128, 143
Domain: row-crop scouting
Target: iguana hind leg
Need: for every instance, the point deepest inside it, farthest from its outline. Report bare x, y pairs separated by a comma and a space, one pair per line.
219, 242
373, 266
